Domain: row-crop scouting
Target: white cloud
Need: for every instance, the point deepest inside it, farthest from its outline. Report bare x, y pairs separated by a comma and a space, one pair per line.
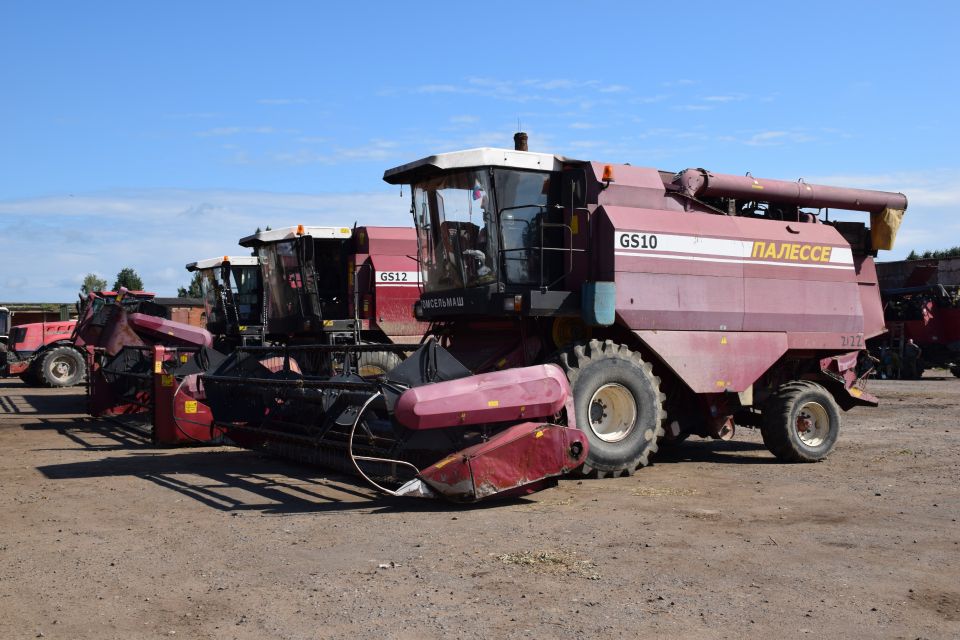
736, 97
283, 101
156, 232
234, 131
556, 91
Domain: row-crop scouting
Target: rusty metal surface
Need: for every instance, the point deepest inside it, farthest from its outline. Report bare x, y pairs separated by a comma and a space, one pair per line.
517, 460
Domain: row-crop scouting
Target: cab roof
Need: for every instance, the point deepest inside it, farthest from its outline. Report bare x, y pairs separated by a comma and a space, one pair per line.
212, 263
289, 233
473, 158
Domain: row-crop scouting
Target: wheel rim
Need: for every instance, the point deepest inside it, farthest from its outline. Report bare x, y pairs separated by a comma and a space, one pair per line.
62, 369
613, 412
812, 424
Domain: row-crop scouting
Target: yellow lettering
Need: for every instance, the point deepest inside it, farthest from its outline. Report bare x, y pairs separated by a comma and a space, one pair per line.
794, 251
815, 253
826, 254
758, 249
784, 252
805, 252
770, 251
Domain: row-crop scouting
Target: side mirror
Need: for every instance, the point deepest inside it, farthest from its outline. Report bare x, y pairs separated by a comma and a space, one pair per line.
574, 189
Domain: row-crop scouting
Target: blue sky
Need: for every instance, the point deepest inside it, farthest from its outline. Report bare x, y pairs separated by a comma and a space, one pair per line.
151, 134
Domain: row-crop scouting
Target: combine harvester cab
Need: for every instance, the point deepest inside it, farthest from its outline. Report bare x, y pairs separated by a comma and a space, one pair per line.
675, 303
233, 299
332, 390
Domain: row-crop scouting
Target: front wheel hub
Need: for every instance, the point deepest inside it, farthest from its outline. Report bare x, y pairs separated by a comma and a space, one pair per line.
613, 412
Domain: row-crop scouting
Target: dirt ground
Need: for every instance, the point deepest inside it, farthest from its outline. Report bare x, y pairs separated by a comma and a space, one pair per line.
105, 536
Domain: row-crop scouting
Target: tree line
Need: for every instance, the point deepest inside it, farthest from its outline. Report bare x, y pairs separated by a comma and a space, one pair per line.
939, 254
129, 278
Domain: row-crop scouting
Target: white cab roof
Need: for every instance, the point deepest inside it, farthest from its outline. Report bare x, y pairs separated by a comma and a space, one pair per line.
213, 263
288, 233
472, 158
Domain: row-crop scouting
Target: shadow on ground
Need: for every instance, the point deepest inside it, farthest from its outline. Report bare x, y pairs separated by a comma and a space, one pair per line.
14, 401
235, 480
715, 451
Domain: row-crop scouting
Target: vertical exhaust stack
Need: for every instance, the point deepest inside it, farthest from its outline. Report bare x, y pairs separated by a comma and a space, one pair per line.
520, 141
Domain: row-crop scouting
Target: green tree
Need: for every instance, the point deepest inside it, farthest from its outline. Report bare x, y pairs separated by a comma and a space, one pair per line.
937, 254
194, 289
128, 278
92, 282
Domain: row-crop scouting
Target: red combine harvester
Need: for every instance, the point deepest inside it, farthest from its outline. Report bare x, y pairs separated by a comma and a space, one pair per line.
46, 353
921, 302
598, 304
134, 356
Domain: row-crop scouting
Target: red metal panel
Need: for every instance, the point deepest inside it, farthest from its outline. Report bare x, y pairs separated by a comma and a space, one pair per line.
396, 241
515, 461
717, 361
662, 301
697, 271
499, 396
396, 288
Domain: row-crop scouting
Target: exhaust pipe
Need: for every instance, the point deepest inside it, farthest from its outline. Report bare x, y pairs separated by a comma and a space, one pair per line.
520, 141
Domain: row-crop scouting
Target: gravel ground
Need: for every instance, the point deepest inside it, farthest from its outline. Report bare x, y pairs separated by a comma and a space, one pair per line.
105, 536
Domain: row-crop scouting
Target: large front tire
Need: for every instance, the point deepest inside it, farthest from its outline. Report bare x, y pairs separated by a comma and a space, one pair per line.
801, 422
62, 367
618, 406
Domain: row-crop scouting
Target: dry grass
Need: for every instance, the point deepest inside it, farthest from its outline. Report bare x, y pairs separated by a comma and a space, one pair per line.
663, 491
550, 561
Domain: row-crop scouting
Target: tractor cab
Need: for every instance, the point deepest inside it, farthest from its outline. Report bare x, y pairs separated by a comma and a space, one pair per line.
4, 324
492, 234
232, 295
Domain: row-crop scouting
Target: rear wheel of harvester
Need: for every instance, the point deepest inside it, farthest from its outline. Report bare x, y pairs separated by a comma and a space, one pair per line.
618, 405
801, 422
373, 364
61, 367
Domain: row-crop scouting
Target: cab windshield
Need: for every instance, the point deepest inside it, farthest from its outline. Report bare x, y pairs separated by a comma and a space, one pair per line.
480, 226
245, 284
283, 278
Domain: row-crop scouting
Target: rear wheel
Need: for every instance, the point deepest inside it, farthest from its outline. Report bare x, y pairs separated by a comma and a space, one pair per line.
801, 422
618, 405
62, 367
